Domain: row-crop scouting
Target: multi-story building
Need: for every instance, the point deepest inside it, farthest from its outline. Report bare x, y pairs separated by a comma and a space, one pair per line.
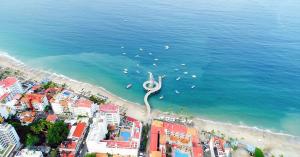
83, 107
123, 139
60, 102
9, 87
111, 113
9, 139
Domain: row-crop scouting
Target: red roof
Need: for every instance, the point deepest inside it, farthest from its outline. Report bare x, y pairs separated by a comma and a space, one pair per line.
175, 127
68, 145
8, 82
79, 130
51, 118
67, 155
2, 97
111, 108
84, 103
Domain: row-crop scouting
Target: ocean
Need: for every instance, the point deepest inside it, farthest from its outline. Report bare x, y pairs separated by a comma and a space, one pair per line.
242, 56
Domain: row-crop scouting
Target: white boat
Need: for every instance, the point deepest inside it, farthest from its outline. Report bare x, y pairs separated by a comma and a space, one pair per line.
129, 86
183, 64
185, 72
136, 56
156, 59
123, 53
177, 92
161, 97
163, 76
193, 86
154, 64
150, 53
141, 49
122, 47
137, 71
125, 72
167, 47
194, 76
178, 78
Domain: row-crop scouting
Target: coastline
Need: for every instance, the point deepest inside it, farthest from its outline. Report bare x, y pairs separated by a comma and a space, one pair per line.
276, 143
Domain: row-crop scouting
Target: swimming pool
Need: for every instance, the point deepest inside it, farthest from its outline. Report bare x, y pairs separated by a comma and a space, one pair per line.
179, 153
125, 135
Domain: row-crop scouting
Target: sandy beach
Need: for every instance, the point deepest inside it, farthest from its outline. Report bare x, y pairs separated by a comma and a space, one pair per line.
274, 143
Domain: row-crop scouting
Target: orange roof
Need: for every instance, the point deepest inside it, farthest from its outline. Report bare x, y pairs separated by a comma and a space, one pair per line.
67, 154
68, 145
8, 82
155, 154
36, 98
79, 130
51, 118
82, 102
197, 151
110, 108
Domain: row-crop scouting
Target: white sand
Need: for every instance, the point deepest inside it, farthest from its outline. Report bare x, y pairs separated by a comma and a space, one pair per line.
274, 143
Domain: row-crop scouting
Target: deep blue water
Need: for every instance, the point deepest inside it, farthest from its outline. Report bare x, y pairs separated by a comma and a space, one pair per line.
245, 53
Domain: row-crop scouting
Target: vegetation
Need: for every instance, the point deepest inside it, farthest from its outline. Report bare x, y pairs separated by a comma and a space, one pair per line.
53, 153
258, 152
49, 84
21, 130
90, 155
144, 138
97, 100
31, 140
5, 73
57, 133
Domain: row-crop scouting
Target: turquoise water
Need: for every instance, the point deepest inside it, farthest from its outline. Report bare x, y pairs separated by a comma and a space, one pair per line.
245, 54
178, 153
125, 135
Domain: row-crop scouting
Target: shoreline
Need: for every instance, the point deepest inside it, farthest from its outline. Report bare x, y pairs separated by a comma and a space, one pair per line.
275, 142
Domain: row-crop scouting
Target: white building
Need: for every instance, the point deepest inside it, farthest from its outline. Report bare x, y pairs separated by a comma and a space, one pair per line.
29, 153
9, 139
123, 145
60, 103
111, 113
10, 87
83, 107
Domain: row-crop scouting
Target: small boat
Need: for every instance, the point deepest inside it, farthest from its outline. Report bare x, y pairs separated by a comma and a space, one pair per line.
177, 92
176, 69
150, 53
193, 86
185, 72
123, 53
129, 86
122, 47
141, 49
137, 71
167, 47
178, 78
161, 97
183, 64
154, 64
136, 56
163, 76
194, 76
125, 72
156, 59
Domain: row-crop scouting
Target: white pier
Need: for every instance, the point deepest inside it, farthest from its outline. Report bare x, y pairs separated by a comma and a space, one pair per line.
151, 86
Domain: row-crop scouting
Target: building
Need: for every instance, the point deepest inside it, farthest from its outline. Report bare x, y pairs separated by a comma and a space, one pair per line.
29, 153
51, 118
9, 87
9, 139
38, 102
27, 117
123, 139
171, 139
111, 113
83, 107
60, 102
71, 146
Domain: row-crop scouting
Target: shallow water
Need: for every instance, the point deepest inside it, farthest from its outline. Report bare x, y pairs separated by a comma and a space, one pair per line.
245, 54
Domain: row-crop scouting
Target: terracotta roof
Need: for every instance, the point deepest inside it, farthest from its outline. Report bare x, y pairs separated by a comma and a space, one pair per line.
68, 145
155, 154
82, 102
37, 98
8, 82
110, 108
79, 130
198, 151
51, 118
67, 154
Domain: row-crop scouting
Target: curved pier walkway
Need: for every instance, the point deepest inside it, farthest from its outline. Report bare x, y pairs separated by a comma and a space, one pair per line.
157, 87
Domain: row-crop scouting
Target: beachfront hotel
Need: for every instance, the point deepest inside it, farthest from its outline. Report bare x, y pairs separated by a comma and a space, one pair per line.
105, 137
171, 139
9, 139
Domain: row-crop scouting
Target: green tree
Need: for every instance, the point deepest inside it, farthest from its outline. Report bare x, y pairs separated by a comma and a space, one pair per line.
31, 140
90, 155
258, 152
53, 153
57, 133
97, 100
